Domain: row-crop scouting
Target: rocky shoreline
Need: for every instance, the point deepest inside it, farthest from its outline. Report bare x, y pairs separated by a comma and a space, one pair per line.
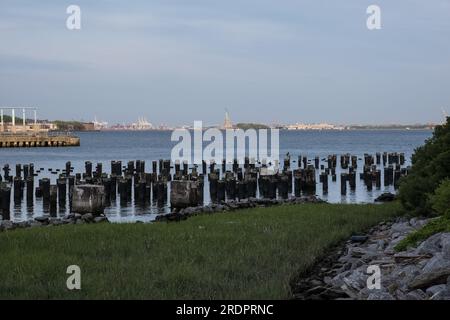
233, 205
421, 273
76, 218
46, 221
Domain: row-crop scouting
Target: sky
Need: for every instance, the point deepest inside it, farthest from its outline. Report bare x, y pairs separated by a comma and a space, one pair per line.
176, 61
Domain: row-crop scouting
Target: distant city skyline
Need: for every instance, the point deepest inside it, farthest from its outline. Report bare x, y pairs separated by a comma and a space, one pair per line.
174, 62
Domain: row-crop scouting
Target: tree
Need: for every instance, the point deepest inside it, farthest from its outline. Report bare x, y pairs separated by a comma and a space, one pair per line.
430, 166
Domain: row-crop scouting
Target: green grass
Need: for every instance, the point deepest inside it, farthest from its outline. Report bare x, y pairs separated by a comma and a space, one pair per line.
245, 254
441, 224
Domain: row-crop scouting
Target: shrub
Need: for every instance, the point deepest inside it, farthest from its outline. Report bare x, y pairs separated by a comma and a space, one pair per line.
440, 200
430, 165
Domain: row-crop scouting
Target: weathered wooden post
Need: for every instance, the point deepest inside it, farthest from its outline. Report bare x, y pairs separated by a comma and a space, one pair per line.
62, 189
88, 199
220, 191
30, 189
18, 190
343, 183
204, 167
297, 183
68, 168
283, 187
316, 162
44, 184
402, 159
25, 171
230, 185
6, 171
53, 199
224, 166
213, 182
184, 194
88, 168
378, 179
5, 201
252, 186
18, 170
352, 180
324, 180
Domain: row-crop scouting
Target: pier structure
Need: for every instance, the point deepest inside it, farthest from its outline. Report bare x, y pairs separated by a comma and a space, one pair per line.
14, 128
30, 135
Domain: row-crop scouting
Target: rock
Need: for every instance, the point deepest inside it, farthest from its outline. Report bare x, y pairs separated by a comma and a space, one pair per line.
428, 279
88, 217
380, 295
42, 220
401, 228
430, 245
436, 263
416, 295
6, 225
385, 197
445, 244
100, 219
436, 289
359, 239
57, 222
22, 224
441, 295
35, 224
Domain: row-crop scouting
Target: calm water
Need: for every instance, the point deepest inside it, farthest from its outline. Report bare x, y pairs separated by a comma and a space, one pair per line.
153, 145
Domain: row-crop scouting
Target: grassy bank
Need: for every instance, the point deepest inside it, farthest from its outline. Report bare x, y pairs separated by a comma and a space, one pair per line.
247, 254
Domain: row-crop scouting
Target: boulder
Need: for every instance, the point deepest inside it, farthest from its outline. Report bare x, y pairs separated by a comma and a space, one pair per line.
42, 220
6, 225
88, 217
431, 291
429, 279
102, 219
385, 197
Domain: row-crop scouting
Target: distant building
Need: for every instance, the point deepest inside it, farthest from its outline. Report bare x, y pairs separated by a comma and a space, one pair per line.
314, 126
99, 125
141, 124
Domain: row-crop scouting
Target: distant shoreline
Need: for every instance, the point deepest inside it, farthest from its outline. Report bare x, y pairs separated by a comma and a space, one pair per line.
281, 129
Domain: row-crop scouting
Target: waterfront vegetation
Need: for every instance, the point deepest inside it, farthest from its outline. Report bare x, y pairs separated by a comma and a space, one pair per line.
69, 125
430, 168
440, 224
246, 254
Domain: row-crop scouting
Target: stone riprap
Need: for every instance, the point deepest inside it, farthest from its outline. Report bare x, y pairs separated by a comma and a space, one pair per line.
421, 273
45, 221
232, 205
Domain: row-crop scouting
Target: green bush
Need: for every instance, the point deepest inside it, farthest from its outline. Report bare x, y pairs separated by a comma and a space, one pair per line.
430, 166
440, 200
441, 224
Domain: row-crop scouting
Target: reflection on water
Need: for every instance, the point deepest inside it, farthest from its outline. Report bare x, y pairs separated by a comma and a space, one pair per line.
106, 146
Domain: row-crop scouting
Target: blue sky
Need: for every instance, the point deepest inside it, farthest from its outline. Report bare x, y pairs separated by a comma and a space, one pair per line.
265, 61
